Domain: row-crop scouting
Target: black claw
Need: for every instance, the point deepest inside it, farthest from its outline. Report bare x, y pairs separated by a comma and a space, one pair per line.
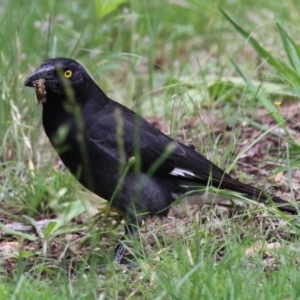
119, 253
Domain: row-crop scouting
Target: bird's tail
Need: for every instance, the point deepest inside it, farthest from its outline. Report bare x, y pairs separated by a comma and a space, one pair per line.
263, 197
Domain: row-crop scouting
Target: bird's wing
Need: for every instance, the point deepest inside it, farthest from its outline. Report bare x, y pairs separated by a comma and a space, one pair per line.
181, 162
158, 153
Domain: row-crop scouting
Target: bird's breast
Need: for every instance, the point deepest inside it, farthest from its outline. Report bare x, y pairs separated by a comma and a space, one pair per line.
94, 168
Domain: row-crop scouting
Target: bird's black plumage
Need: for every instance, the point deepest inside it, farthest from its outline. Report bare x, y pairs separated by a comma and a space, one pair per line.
97, 137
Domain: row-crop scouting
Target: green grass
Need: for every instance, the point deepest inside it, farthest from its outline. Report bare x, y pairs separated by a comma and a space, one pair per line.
179, 61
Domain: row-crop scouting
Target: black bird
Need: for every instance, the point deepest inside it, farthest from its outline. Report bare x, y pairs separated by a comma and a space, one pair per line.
117, 154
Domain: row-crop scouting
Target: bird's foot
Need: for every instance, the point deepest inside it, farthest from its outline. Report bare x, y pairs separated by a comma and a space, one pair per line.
120, 258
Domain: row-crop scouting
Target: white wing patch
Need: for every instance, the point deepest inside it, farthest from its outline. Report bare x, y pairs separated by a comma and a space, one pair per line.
182, 172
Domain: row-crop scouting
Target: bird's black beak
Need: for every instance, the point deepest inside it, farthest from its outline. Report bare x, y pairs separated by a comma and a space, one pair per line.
45, 72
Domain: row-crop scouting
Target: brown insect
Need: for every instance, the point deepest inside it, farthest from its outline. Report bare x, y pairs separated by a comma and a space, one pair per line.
40, 90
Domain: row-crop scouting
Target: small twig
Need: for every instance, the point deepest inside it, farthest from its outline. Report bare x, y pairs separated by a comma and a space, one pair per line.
40, 225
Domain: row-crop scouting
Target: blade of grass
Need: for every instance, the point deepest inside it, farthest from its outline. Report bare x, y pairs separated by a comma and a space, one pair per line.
278, 64
13, 232
291, 49
270, 107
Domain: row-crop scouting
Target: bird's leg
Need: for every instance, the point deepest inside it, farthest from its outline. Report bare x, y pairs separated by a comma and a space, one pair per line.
120, 249
130, 230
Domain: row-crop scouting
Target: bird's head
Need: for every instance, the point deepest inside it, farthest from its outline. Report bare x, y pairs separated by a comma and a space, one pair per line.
60, 76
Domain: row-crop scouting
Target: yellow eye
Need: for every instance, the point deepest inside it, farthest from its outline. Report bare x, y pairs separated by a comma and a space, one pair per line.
68, 73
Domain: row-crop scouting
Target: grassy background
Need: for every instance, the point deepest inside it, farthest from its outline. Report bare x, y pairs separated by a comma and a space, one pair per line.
168, 59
